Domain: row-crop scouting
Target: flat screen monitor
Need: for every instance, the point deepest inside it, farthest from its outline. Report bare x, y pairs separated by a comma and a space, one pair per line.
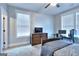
62, 31
38, 29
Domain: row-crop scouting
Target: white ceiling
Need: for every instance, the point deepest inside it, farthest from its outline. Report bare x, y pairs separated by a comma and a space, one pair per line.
40, 7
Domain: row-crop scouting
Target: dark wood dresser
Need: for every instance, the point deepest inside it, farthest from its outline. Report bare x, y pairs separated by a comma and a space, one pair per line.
38, 38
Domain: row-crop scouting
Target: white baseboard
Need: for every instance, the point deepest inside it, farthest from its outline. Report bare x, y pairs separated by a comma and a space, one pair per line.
19, 44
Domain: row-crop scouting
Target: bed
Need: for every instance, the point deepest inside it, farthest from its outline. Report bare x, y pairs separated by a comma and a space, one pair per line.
49, 48
71, 50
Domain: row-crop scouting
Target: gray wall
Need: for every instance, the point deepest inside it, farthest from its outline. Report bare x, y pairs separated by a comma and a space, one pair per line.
13, 40
0, 29
57, 23
41, 20
50, 24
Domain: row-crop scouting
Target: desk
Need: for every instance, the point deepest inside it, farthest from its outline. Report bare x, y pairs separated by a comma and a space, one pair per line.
76, 38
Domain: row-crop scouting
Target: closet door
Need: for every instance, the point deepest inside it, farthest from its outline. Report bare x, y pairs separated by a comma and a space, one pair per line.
0, 31
4, 27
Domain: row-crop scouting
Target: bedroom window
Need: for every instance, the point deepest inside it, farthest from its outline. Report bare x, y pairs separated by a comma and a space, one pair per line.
23, 24
77, 22
67, 22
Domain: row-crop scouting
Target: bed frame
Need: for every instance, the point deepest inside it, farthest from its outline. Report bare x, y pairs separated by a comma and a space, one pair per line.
51, 39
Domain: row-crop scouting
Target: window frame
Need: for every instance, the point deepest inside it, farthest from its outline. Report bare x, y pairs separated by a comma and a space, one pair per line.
73, 21
26, 13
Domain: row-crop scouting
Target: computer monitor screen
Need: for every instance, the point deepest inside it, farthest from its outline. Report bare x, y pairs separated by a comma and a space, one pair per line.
38, 30
62, 31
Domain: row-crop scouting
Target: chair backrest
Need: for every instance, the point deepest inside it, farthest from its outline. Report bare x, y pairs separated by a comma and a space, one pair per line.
72, 34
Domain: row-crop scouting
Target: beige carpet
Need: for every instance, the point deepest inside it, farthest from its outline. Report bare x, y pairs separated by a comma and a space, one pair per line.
24, 51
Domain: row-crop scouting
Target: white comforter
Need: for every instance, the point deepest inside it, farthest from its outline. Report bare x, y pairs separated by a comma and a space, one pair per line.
71, 50
49, 48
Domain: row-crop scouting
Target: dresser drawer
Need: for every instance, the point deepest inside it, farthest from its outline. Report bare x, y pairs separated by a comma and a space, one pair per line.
37, 37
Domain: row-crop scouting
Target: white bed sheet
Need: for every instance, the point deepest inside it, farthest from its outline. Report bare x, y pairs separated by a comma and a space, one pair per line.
71, 50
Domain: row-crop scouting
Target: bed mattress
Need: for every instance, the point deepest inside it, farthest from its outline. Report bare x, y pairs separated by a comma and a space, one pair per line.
49, 48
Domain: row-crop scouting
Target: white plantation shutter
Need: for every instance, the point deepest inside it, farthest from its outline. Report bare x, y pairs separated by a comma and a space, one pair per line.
77, 23
68, 22
23, 24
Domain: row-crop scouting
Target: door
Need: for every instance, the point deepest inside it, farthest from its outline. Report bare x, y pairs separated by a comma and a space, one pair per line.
4, 25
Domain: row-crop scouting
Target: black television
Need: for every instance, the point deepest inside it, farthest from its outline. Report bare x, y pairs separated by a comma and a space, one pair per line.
38, 30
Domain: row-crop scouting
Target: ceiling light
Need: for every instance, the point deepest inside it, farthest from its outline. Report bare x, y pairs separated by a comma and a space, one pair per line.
53, 4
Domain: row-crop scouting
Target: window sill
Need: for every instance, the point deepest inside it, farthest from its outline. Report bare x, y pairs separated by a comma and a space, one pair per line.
23, 36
